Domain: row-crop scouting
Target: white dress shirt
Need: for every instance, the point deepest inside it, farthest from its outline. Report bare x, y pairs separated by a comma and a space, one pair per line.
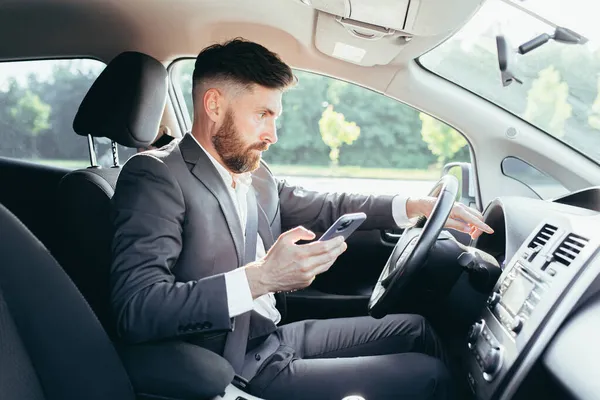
239, 297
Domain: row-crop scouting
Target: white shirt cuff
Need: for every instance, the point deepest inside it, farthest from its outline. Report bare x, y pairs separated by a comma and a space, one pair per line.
399, 212
239, 297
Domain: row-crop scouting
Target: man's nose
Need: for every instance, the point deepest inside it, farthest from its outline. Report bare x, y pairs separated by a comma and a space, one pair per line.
270, 134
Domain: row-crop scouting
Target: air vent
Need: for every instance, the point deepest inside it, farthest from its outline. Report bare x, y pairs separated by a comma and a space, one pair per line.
569, 249
542, 237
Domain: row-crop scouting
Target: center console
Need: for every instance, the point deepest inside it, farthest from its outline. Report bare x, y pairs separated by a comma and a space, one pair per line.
524, 297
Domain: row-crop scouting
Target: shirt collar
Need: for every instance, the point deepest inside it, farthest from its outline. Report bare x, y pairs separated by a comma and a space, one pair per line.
244, 180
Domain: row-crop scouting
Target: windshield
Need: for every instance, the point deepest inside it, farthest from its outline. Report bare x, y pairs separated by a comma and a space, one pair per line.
560, 83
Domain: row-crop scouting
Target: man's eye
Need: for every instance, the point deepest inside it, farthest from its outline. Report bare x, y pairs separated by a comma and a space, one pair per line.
262, 114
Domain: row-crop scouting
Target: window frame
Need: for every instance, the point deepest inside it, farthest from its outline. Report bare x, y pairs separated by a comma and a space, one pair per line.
177, 97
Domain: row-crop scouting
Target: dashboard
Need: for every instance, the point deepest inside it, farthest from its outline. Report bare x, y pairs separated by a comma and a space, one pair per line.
550, 263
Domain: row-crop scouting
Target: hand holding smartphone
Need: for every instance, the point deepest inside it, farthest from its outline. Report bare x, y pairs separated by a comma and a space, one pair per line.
344, 226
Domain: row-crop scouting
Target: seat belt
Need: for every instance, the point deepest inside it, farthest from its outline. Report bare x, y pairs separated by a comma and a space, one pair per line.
235, 344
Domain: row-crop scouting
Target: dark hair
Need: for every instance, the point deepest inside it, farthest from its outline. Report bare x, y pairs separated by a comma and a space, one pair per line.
243, 62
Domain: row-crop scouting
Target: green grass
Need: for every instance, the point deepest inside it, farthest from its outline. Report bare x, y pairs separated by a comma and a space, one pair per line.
303, 170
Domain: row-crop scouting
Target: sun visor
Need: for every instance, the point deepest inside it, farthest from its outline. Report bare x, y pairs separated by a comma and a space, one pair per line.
374, 32
415, 17
356, 42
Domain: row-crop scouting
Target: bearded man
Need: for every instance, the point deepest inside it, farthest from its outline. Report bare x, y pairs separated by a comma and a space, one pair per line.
206, 245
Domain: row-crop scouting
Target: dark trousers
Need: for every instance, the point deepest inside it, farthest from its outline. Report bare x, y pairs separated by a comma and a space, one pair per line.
396, 357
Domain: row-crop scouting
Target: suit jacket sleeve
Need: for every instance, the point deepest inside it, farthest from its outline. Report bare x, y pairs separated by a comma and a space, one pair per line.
148, 302
317, 211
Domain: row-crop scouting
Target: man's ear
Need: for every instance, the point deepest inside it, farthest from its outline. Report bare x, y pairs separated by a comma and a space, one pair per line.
213, 104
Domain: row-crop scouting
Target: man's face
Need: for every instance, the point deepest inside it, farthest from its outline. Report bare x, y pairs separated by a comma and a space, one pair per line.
248, 128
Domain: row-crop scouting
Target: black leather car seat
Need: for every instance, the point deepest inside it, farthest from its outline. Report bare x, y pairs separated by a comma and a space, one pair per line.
52, 347
125, 104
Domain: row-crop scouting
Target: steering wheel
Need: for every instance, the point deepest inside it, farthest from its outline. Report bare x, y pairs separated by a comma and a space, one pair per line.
412, 249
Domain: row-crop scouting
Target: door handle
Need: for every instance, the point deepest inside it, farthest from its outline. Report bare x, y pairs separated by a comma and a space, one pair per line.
391, 236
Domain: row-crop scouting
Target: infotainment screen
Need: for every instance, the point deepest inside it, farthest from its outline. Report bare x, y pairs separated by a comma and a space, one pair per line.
516, 293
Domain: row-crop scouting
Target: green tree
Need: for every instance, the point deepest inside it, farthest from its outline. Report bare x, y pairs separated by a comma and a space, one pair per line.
24, 118
298, 126
13, 132
336, 131
31, 111
64, 91
442, 140
30, 116
389, 129
547, 102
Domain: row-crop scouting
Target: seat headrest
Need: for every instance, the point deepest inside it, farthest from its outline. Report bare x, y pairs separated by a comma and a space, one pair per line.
126, 102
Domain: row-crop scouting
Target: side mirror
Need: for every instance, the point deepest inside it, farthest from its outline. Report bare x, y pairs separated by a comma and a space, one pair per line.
463, 172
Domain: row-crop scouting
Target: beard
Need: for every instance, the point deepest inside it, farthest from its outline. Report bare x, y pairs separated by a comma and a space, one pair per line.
237, 155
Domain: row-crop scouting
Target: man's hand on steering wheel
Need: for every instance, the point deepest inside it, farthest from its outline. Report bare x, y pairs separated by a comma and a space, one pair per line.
461, 218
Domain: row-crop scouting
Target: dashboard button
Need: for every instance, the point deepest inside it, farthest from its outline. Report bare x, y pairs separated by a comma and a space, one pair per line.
474, 332
533, 253
517, 324
492, 361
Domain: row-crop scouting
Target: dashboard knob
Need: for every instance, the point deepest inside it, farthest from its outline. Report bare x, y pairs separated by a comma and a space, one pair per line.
474, 332
492, 360
494, 299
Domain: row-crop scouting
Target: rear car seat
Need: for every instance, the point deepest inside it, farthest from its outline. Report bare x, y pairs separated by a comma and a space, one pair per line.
125, 104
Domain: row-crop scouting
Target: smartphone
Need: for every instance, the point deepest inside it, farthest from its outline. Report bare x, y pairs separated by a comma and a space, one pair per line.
344, 226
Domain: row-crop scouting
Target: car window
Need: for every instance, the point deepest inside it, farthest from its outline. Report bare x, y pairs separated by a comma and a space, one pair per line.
542, 184
559, 83
337, 136
38, 102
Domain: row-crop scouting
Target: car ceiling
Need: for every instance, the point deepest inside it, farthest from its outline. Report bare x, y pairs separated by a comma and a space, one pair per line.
171, 29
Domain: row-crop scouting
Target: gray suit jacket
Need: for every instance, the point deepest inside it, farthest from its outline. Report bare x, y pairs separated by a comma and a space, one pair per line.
177, 233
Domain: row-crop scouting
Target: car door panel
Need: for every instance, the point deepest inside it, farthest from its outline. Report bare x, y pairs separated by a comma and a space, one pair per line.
345, 289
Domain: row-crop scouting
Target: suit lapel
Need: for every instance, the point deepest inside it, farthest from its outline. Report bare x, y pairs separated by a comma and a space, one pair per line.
203, 169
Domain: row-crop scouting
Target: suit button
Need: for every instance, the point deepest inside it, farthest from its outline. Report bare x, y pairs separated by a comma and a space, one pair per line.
206, 325
257, 357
